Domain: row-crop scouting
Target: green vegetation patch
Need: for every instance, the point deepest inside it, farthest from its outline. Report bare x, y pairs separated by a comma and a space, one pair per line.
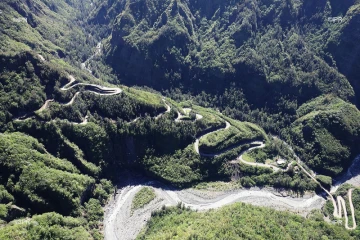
181, 168
52, 30
25, 82
325, 181
44, 181
274, 75
144, 96
240, 133
142, 198
211, 119
217, 186
249, 157
326, 134
238, 221
46, 226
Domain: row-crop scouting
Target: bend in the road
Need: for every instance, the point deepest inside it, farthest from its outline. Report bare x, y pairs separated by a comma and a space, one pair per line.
339, 205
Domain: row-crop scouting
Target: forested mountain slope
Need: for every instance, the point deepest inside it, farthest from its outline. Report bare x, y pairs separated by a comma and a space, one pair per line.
269, 49
257, 61
50, 27
326, 134
227, 75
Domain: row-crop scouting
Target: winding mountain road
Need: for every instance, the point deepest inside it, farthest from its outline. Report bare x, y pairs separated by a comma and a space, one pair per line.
187, 111
46, 105
338, 206
197, 141
71, 81
168, 109
254, 164
258, 144
119, 223
93, 88
351, 176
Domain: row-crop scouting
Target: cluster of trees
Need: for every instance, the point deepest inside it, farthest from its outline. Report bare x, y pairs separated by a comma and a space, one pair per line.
25, 84
143, 197
57, 29
266, 50
33, 182
238, 221
46, 226
326, 134
297, 182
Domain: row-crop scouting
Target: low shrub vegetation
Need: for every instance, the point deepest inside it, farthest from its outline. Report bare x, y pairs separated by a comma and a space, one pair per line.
142, 198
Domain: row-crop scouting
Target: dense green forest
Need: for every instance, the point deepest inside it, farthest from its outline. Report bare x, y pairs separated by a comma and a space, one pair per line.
326, 134
239, 221
254, 61
270, 50
191, 68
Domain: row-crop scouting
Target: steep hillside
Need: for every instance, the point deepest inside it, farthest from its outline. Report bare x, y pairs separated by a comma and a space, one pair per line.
326, 134
265, 48
256, 61
51, 28
343, 46
216, 80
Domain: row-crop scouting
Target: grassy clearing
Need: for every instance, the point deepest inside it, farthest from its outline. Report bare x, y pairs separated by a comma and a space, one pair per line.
210, 119
223, 139
143, 197
145, 97
247, 157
